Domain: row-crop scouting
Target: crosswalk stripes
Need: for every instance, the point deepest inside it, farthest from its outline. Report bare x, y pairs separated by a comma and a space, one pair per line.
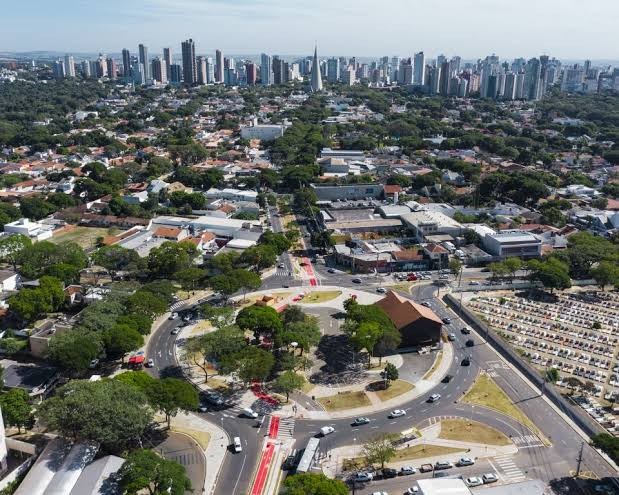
177, 305
286, 428
282, 272
527, 441
509, 468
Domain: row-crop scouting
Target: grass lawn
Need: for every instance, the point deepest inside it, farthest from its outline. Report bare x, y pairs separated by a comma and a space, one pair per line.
217, 383
86, 237
321, 296
423, 450
307, 386
467, 431
396, 388
202, 437
402, 286
435, 365
485, 392
345, 400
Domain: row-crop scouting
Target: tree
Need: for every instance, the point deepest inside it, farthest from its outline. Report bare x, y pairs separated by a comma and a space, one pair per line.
146, 303
313, 484
471, 237
608, 444
293, 313
11, 248
190, 278
116, 258
380, 449
171, 257
262, 320
121, 339
606, 273
219, 316
388, 342
552, 273
73, 350
305, 333
215, 346
366, 336
391, 373
110, 412
552, 375
512, 265
288, 382
259, 257
16, 408
498, 270
246, 280
171, 395
455, 266
251, 363
31, 303
146, 470
223, 284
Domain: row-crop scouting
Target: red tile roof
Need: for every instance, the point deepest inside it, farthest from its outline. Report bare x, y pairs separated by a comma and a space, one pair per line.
403, 311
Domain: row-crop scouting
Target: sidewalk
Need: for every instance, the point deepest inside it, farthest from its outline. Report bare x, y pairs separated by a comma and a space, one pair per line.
215, 451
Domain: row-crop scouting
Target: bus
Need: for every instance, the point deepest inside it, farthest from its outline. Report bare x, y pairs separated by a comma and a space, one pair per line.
309, 455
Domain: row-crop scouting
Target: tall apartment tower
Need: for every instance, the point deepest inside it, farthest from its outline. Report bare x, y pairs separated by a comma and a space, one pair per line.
126, 64
266, 70
252, 73
69, 66
190, 72
201, 68
143, 59
316, 79
167, 57
160, 70
333, 70
219, 66
112, 69
419, 71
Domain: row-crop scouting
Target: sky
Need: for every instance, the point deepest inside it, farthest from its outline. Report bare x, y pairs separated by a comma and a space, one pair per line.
568, 29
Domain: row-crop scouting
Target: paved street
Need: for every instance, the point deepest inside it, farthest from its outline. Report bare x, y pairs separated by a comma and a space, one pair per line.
184, 450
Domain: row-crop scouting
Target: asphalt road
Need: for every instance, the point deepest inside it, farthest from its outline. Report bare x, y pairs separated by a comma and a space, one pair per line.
535, 461
187, 452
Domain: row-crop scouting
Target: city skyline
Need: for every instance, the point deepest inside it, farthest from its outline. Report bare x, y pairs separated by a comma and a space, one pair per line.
291, 28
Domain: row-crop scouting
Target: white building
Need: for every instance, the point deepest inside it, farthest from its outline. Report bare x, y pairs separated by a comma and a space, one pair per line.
443, 486
232, 194
424, 223
264, 132
516, 243
3, 450
35, 230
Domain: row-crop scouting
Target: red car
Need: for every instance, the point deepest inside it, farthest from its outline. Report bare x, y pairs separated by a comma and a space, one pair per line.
411, 277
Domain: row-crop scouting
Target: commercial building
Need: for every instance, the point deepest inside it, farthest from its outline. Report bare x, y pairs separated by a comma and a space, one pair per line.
348, 192
35, 230
417, 324
505, 244
266, 71
190, 72
424, 223
143, 60
264, 132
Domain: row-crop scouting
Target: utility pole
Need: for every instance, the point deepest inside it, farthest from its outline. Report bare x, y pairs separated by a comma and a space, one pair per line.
579, 460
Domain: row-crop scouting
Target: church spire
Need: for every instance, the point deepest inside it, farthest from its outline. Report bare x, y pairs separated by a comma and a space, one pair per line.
316, 81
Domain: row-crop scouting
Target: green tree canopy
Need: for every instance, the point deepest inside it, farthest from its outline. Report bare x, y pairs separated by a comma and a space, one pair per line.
73, 350
313, 484
144, 470
16, 408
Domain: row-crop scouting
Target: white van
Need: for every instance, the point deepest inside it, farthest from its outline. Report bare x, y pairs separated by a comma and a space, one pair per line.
326, 430
237, 445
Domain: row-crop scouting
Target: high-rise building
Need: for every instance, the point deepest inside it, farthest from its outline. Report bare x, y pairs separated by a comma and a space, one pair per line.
519, 93
532, 80
443, 85
167, 57
176, 74
405, 72
219, 66
58, 69
316, 79
210, 71
333, 70
69, 66
85, 69
126, 64
112, 70
190, 73
143, 59
251, 73
349, 76
419, 69
201, 68
266, 70
277, 70
160, 70
137, 73
510, 86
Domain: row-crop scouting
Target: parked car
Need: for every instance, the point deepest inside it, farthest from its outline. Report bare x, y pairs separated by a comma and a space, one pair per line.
360, 421
331, 270
465, 330
434, 397
356, 280
489, 478
426, 304
470, 343
451, 337
474, 282
411, 277
396, 413
389, 473
250, 413
175, 331
381, 290
281, 265
439, 465
213, 398
406, 470
326, 430
363, 477
173, 316
465, 461
150, 363
447, 378
380, 493
474, 481
466, 361
426, 468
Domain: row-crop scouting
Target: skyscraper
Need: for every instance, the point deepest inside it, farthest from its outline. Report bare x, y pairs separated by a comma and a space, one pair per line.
333, 70
316, 80
85, 68
210, 70
167, 57
266, 71
219, 66
419, 72
190, 73
176, 74
111, 69
160, 70
59, 69
143, 51
252, 73
201, 68
69, 66
126, 64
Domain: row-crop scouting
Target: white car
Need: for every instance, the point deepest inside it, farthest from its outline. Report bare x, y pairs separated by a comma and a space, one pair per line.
250, 413
489, 478
173, 316
434, 397
474, 481
326, 430
396, 413
381, 290
380, 493
363, 477
150, 363
237, 445
176, 331
406, 470
466, 461
412, 490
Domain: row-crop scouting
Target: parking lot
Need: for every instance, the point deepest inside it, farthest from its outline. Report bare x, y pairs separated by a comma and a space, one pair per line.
576, 333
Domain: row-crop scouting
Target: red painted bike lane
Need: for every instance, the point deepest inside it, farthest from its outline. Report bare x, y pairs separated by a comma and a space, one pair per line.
309, 269
274, 427
263, 469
